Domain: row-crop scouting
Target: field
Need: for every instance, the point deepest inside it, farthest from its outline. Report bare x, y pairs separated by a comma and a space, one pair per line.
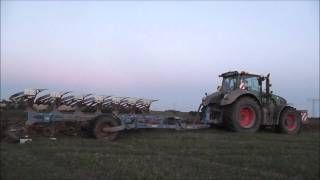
167, 154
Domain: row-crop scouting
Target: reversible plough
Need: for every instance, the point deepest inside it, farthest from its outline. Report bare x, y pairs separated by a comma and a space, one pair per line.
49, 114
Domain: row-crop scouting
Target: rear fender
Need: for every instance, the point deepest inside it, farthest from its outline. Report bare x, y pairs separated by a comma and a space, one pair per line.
234, 95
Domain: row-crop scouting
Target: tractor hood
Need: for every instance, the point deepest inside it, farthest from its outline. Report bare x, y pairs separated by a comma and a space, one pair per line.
279, 100
212, 98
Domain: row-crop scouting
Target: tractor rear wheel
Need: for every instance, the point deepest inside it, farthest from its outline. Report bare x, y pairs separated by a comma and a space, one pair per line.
244, 115
290, 121
100, 124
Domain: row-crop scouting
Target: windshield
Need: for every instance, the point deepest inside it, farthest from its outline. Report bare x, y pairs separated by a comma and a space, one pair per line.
228, 83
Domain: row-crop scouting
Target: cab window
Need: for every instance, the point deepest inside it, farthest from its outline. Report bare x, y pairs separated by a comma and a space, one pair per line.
251, 83
229, 83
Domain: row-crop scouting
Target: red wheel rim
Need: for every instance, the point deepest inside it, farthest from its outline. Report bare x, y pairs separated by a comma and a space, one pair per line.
290, 122
247, 117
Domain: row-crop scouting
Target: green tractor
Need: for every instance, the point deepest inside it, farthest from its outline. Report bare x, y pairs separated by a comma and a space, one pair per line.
244, 103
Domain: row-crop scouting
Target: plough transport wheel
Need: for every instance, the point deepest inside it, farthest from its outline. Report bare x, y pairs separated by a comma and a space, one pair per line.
102, 123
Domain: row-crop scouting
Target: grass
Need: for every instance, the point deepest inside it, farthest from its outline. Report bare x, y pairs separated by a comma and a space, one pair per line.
166, 154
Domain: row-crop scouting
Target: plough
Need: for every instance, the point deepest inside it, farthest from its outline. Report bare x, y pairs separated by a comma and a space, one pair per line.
63, 101
102, 116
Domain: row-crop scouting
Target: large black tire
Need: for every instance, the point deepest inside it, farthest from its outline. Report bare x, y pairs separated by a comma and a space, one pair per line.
290, 121
244, 115
104, 122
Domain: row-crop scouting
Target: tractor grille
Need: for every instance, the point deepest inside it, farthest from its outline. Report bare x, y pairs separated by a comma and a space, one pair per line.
215, 115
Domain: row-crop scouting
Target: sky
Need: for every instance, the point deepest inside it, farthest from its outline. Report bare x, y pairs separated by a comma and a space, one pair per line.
172, 51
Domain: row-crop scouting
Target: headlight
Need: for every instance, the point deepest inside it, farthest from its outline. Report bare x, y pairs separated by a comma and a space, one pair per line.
225, 96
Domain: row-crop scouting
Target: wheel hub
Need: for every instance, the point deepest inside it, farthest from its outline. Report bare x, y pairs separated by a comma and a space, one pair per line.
247, 117
290, 122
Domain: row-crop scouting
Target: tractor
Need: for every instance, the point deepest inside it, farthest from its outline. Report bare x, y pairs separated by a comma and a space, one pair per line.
244, 103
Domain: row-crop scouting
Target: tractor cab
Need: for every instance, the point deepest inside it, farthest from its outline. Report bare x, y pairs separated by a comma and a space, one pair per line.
256, 84
244, 81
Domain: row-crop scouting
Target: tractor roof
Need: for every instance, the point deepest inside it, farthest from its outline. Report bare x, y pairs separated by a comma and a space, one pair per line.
235, 73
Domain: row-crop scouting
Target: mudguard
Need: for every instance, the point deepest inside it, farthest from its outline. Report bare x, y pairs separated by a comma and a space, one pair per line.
212, 98
109, 115
232, 96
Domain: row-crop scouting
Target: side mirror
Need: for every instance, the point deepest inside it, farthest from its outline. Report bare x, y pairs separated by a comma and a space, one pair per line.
218, 88
206, 94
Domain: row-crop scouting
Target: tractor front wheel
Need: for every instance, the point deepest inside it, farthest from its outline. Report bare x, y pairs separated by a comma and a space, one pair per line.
290, 121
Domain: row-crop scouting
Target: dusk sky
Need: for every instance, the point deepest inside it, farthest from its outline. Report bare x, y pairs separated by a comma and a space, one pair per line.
171, 51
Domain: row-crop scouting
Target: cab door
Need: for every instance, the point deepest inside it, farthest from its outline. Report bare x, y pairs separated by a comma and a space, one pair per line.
251, 83
268, 105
